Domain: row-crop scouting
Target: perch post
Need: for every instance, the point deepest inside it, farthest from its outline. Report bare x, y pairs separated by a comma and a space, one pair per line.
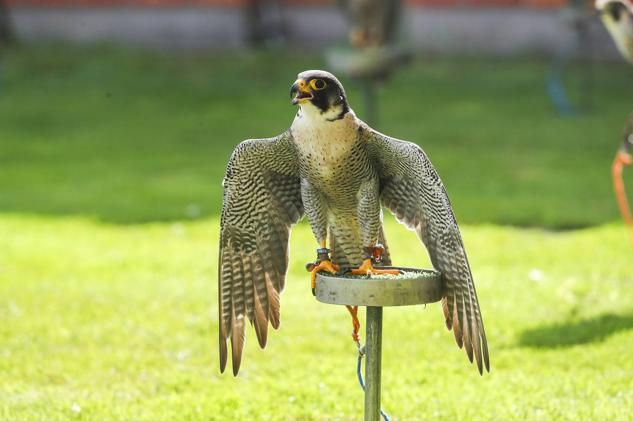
419, 286
373, 351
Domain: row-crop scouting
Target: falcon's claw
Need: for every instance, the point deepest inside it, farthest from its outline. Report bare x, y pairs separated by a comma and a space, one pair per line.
367, 268
322, 266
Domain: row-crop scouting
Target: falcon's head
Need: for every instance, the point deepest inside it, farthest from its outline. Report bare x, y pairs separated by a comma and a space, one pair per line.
319, 90
617, 16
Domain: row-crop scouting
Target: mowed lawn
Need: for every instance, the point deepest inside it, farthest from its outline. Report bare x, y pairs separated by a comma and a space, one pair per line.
110, 168
104, 321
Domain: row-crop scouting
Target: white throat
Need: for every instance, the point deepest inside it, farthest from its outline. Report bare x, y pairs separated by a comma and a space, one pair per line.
316, 115
324, 143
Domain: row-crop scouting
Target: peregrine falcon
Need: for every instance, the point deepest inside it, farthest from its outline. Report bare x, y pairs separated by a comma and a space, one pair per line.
339, 171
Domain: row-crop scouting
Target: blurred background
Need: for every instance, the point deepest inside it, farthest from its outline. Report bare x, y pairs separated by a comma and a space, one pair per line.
151, 96
117, 119
494, 27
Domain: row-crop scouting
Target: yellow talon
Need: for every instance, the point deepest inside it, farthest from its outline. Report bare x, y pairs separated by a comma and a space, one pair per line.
368, 269
324, 265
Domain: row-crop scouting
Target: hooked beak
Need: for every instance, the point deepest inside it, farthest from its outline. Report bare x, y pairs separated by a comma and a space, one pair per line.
300, 92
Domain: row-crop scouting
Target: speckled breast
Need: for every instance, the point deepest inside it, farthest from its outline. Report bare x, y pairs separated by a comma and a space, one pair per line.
337, 167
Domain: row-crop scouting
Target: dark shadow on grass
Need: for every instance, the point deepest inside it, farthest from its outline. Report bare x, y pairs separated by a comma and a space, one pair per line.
577, 332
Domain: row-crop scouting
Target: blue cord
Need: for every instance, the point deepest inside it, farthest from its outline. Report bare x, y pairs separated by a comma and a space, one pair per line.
362, 382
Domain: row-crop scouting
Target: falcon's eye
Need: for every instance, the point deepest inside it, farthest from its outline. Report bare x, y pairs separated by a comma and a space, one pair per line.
318, 84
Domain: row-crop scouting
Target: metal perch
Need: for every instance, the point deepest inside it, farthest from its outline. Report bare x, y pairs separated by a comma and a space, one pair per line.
415, 286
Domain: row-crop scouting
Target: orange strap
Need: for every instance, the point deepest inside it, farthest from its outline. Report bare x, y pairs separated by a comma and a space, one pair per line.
353, 311
621, 160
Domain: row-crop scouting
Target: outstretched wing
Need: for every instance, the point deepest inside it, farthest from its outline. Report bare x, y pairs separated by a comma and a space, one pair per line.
412, 190
262, 199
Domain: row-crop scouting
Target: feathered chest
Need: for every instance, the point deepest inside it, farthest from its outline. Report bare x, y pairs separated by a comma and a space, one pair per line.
325, 146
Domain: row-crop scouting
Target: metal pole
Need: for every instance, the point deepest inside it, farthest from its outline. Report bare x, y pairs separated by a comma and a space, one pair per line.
373, 350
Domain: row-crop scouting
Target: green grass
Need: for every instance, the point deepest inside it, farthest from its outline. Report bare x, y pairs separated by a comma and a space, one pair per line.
152, 134
121, 321
108, 288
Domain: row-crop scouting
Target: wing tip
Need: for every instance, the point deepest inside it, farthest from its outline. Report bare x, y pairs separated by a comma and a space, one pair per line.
485, 351
261, 321
223, 355
236, 367
236, 360
222, 363
483, 358
237, 344
262, 333
485, 365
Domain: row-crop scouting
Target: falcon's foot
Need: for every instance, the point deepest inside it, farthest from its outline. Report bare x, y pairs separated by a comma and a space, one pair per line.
322, 266
367, 268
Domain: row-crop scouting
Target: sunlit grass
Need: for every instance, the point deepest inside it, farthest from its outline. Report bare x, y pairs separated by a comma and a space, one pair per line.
110, 168
109, 321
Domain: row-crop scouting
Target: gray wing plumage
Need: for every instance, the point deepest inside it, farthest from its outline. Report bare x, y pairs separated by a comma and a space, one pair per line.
412, 190
262, 199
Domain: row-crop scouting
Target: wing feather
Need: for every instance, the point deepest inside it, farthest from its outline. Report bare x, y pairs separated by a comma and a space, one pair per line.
262, 199
412, 190
260, 321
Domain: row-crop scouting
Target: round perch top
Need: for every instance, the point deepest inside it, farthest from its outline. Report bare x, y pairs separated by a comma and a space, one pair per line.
411, 287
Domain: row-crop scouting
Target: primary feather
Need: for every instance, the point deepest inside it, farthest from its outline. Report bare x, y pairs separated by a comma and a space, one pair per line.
411, 188
262, 199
